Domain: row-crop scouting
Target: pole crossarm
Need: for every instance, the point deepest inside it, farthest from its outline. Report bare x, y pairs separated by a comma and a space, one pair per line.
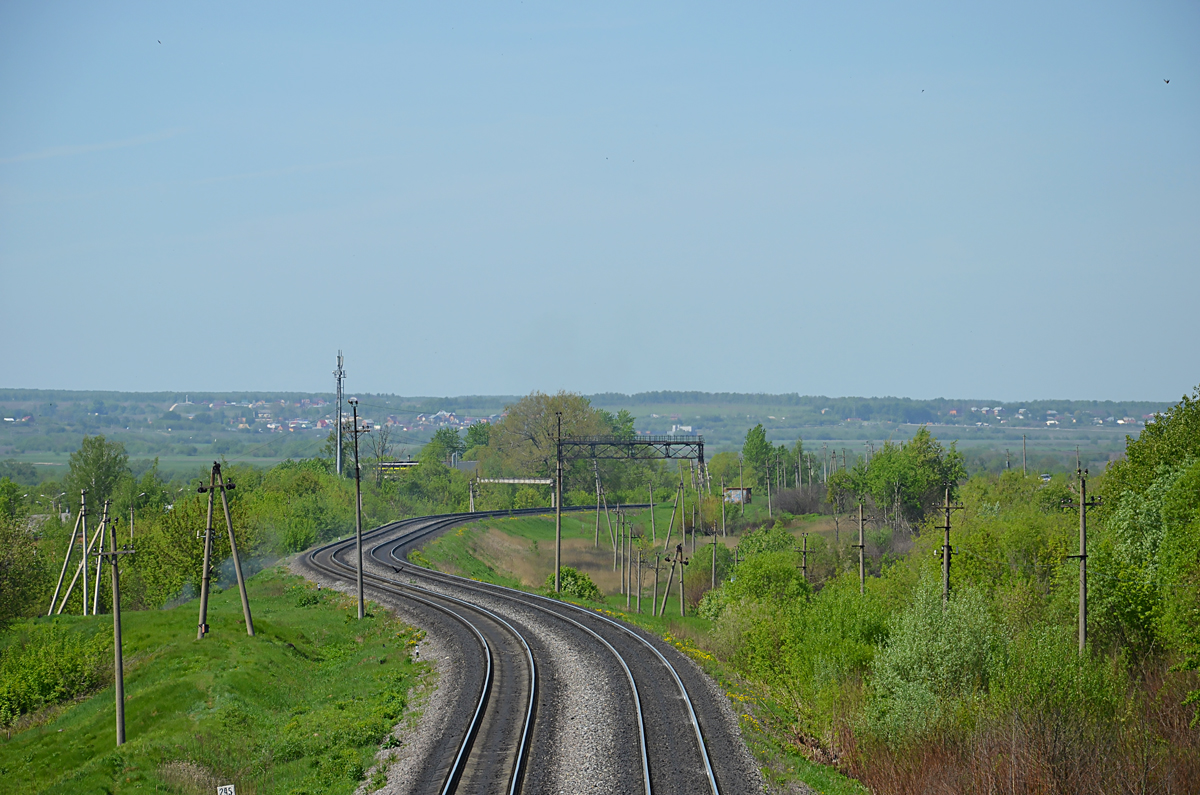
632, 449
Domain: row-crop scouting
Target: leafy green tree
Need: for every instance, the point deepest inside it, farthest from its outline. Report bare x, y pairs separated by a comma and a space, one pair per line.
12, 500
478, 435
757, 452
524, 441
445, 443
98, 466
22, 570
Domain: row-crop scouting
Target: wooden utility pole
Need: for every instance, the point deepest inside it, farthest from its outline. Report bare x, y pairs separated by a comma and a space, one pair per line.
946, 552
1083, 504
558, 484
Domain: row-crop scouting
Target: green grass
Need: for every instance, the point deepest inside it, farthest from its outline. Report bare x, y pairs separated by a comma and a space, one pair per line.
299, 708
780, 763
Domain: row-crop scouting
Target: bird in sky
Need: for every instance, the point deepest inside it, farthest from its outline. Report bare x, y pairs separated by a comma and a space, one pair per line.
1165, 80
160, 42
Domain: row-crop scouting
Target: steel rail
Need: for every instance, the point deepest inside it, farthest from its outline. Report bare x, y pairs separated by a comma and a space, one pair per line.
401, 589
637, 699
444, 521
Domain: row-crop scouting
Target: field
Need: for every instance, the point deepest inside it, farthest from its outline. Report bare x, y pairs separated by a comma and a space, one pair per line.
226, 709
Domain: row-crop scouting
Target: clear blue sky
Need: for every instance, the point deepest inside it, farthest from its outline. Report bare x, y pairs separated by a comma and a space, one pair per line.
964, 199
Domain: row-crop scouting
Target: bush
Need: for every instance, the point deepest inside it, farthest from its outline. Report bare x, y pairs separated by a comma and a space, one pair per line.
48, 665
937, 661
575, 583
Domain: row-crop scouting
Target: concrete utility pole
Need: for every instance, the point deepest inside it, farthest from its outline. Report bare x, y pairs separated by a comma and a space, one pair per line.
86, 549
206, 572
662, 611
362, 606
1083, 505
768, 480
741, 486
682, 562
1024, 468
862, 568
713, 585
723, 533
654, 596
66, 560
118, 660
558, 484
217, 481
804, 556
81, 570
225, 485
674, 507
99, 560
946, 552
653, 534
339, 375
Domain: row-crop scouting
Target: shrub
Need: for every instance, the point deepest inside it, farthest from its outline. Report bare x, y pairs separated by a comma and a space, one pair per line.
937, 661
48, 665
575, 583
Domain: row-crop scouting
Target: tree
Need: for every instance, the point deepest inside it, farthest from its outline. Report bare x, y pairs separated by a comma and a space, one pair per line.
478, 435
525, 439
12, 500
22, 570
379, 442
98, 466
758, 452
445, 443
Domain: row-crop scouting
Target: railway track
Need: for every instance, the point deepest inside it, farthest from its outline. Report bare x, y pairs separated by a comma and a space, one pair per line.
670, 737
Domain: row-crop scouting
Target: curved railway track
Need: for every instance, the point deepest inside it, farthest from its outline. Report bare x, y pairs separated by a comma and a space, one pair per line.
670, 735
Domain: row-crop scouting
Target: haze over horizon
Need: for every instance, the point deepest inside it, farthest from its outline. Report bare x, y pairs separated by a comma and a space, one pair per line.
860, 200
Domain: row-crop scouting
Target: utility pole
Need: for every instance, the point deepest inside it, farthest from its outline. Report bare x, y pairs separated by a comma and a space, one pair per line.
558, 484
654, 596
662, 611
206, 572
862, 568
118, 660
339, 375
1024, 468
66, 559
682, 562
714, 564
804, 556
768, 479
946, 550
723, 533
99, 560
653, 534
741, 486
86, 548
217, 481
1083, 505
362, 607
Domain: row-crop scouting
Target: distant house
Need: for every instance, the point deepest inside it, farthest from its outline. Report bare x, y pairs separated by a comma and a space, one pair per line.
681, 429
738, 495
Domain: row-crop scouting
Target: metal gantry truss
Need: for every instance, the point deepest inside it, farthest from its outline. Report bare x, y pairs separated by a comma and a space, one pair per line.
634, 448
619, 448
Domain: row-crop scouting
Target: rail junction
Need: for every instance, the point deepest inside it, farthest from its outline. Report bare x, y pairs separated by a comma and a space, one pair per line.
674, 737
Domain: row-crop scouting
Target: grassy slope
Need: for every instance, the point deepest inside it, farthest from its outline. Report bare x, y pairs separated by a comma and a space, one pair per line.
457, 551
298, 708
